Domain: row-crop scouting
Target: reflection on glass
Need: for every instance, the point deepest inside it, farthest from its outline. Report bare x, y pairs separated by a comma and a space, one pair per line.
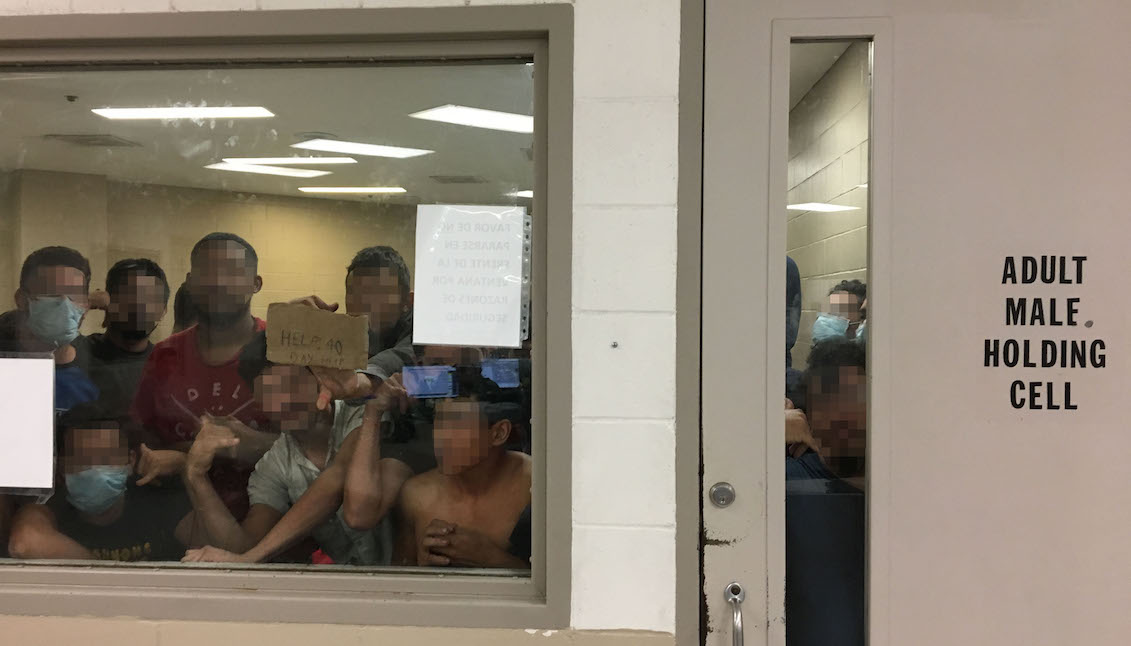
826, 338
146, 275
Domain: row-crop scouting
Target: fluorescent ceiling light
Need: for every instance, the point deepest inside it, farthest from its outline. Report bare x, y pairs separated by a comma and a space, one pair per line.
478, 118
360, 190
268, 170
284, 161
521, 194
218, 112
354, 148
822, 207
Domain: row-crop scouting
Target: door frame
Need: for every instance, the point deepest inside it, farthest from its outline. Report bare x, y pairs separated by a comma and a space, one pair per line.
778, 24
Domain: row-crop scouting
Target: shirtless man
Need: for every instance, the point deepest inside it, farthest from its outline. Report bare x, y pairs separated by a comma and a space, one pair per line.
471, 510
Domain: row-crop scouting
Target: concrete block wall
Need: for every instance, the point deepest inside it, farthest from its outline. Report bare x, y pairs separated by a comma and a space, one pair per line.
828, 163
625, 171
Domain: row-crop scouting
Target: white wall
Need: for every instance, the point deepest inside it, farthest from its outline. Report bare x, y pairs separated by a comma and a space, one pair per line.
625, 154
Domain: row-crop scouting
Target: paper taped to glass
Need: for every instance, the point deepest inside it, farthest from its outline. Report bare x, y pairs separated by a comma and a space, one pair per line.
469, 275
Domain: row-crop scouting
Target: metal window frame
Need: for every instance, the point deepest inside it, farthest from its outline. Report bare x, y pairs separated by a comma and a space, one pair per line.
377, 596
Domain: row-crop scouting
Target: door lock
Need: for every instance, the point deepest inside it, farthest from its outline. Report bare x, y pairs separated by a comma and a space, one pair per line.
722, 494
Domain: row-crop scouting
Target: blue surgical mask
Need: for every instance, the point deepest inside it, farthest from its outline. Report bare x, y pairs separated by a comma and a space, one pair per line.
54, 319
96, 489
828, 326
862, 332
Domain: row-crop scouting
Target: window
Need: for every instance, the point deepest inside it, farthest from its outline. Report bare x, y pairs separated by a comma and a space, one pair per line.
296, 303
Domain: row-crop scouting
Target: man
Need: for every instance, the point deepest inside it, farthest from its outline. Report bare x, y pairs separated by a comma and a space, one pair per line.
137, 298
473, 510
98, 513
195, 374
845, 318
299, 485
824, 500
836, 395
377, 285
51, 302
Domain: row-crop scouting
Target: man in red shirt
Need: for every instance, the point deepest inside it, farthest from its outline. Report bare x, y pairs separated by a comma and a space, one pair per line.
193, 376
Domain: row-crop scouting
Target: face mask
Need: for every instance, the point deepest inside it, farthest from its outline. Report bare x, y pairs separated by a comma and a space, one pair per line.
54, 319
862, 333
827, 326
96, 489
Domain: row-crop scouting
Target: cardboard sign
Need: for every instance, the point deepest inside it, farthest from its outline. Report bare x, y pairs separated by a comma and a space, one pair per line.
469, 274
300, 335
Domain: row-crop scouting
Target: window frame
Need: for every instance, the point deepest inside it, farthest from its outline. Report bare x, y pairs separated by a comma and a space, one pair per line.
375, 596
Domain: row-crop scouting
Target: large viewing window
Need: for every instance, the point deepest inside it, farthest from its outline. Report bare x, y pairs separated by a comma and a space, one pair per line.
292, 313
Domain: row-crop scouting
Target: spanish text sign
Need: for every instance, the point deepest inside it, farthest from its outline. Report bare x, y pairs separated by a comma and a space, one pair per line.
468, 288
306, 336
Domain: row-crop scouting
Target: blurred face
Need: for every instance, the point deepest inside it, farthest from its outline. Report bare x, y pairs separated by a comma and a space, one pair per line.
377, 294
838, 417
84, 448
845, 305
137, 306
221, 283
461, 436
287, 396
56, 281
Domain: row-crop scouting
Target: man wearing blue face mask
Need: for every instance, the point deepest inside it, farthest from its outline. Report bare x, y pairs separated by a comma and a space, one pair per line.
845, 318
51, 302
97, 512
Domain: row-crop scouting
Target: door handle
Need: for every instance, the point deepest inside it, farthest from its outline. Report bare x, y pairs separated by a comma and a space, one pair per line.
735, 594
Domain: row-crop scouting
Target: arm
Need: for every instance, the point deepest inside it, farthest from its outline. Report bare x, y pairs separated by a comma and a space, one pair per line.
211, 513
35, 536
367, 498
312, 509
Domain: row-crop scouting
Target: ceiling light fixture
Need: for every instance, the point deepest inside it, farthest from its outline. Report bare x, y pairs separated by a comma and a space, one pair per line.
822, 207
478, 118
268, 170
217, 112
357, 190
521, 194
289, 161
355, 148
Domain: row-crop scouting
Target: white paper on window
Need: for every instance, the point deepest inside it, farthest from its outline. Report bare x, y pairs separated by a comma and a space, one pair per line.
468, 288
27, 436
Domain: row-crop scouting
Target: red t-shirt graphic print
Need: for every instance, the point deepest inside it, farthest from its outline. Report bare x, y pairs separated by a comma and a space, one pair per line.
177, 388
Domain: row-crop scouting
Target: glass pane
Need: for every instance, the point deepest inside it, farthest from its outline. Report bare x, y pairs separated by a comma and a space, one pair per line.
826, 335
151, 220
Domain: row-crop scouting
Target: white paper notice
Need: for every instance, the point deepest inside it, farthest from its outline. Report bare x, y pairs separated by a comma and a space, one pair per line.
27, 397
468, 287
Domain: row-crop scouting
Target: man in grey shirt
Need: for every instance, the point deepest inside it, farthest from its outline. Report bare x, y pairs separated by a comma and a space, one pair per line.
300, 483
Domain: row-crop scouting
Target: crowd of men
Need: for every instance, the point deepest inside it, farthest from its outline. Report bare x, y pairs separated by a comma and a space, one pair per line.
198, 448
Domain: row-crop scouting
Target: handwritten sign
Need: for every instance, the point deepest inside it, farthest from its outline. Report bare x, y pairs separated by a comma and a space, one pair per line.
305, 336
468, 288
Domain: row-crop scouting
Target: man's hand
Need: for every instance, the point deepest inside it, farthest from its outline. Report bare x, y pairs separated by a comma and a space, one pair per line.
340, 384
315, 302
391, 395
798, 438
209, 554
155, 464
212, 439
448, 544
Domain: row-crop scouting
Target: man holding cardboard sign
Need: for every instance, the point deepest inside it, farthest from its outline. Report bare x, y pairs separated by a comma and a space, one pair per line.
377, 285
